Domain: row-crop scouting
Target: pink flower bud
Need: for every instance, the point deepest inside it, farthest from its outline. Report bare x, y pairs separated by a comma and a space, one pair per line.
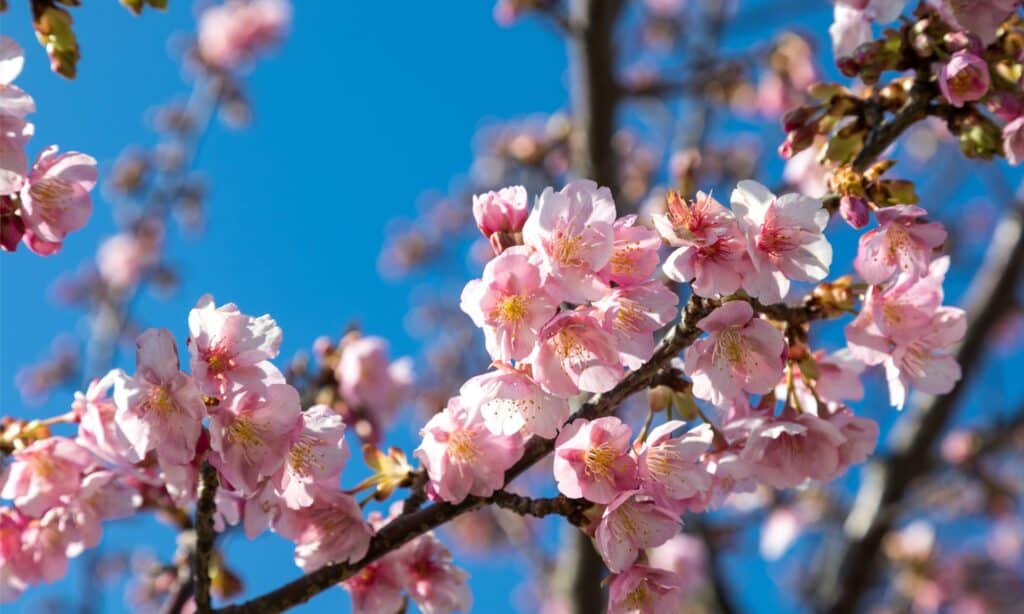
964, 78
501, 211
855, 211
1013, 141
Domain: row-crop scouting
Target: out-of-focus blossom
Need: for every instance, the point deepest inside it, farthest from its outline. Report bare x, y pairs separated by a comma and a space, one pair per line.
511, 402
102, 497
631, 522
742, 353
316, 456
462, 457
785, 239
510, 303
861, 437
332, 530
572, 231
229, 349
779, 530
964, 78
431, 579
806, 172
236, 33
982, 17
784, 452
368, 380
14, 130
852, 20
377, 587
837, 380
250, 434
1013, 141
646, 590
576, 353
684, 554
17, 570
43, 472
122, 259
632, 314
55, 198
711, 250
159, 408
98, 431
592, 459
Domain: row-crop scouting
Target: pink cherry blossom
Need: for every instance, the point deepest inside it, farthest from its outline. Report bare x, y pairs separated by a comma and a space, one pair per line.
251, 435
742, 353
900, 244
632, 521
806, 172
712, 253
14, 130
235, 33
17, 571
98, 431
686, 556
431, 579
46, 543
982, 17
367, 379
263, 509
376, 587
332, 530
502, 211
670, 466
592, 459
850, 29
784, 239
43, 472
510, 402
575, 353
925, 362
861, 437
786, 451
634, 253
103, 496
55, 198
646, 590
1013, 141
159, 408
964, 78
572, 231
632, 314
510, 303
316, 455
229, 349
462, 457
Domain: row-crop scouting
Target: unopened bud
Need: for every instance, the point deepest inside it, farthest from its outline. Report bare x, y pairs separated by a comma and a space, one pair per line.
855, 211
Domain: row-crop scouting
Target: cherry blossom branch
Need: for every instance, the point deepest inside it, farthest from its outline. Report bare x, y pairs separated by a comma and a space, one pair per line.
206, 506
849, 571
572, 509
408, 526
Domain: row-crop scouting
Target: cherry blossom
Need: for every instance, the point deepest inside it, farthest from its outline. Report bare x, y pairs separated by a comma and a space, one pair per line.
55, 198
632, 521
368, 379
838, 379
511, 402
431, 579
742, 353
711, 250
592, 459
645, 590
98, 431
503, 211
669, 466
632, 314
462, 457
15, 104
572, 230
786, 451
17, 570
861, 437
982, 17
332, 530
229, 349
964, 78
1013, 141
575, 353
251, 435
634, 253
377, 587
784, 239
159, 408
103, 496
316, 455
234, 33
510, 303
44, 472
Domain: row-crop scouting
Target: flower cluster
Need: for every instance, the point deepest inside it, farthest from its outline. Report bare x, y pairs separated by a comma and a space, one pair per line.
41, 205
233, 34
143, 440
761, 245
903, 325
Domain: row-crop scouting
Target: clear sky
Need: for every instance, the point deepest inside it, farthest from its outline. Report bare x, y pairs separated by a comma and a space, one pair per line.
368, 105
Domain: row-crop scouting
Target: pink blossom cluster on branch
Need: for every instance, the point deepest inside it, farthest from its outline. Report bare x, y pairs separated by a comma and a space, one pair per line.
41, 205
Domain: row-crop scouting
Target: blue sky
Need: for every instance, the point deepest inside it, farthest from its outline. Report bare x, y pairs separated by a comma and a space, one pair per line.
367, 106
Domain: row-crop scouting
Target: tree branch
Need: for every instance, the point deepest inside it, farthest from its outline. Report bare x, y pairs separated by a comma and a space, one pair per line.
849, 570
206, 506
406, 527
572, 509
